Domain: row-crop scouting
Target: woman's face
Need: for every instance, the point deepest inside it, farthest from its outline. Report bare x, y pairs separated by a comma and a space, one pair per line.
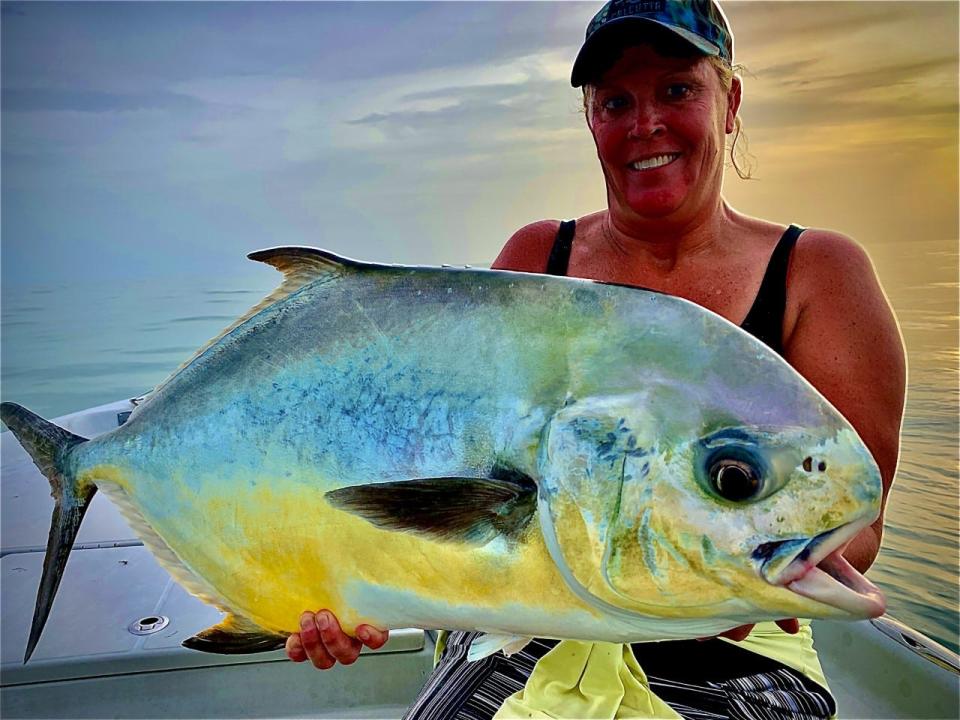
659, 124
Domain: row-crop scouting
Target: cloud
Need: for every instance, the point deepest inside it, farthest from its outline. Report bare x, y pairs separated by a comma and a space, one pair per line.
472, 123
493, 90
786, 70
331, 42
862, 79
91, 101
759, 24
840, 78
839, 124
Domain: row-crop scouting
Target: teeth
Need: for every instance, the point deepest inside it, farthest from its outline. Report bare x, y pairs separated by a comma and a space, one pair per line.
654, 162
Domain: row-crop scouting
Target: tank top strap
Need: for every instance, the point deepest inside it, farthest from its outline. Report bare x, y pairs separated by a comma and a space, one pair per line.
562, 245
765, 319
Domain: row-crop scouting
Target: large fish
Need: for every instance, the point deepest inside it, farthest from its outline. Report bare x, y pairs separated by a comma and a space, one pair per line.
458, 448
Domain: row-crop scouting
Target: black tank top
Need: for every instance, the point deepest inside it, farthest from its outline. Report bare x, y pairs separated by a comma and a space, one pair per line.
765, 319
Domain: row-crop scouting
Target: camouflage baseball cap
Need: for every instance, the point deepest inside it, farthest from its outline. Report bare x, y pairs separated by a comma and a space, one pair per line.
700, 22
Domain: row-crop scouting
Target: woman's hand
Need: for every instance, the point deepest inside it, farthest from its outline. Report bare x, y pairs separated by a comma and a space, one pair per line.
791, 626
323, 642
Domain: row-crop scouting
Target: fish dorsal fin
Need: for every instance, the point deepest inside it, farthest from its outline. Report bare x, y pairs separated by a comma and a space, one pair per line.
300, 267
235, 635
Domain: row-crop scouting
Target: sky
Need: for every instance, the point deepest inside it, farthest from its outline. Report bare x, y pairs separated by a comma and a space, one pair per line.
157, 138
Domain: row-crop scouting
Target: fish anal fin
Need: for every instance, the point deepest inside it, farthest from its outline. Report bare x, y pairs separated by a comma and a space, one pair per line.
235, 636
474, 510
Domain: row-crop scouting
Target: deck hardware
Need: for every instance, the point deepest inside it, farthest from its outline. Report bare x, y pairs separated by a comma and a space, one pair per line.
921, 645
148, 625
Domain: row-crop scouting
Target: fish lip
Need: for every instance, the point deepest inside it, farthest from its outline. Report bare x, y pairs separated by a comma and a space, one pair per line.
816, 569
836, 582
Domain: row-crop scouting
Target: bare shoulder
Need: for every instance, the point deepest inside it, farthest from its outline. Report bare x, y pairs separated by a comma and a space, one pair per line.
823, 256
832, 284
528, 248
843, 337
831, 273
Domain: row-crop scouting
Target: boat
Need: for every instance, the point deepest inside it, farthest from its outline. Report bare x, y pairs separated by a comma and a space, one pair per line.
111, 647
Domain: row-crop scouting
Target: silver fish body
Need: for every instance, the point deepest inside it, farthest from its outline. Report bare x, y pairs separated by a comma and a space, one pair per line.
457, 448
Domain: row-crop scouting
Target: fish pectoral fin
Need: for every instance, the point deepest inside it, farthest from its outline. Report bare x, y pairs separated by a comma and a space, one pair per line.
235, 636
474, 510
490, 643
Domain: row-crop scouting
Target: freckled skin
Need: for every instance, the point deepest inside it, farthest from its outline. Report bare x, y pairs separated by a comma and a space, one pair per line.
649, 105
387, 374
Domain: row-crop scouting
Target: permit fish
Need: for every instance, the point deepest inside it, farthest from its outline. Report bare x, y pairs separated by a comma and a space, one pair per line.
471, 449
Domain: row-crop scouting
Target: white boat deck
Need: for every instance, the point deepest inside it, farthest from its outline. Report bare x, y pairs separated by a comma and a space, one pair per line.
88, 663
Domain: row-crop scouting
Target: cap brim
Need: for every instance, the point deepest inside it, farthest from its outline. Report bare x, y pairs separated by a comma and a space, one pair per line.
585, 62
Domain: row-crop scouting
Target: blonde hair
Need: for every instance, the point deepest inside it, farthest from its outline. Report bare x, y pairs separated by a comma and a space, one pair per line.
725, 73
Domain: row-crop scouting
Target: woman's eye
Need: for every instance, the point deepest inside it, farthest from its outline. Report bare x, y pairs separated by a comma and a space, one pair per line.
616, 102
678, 91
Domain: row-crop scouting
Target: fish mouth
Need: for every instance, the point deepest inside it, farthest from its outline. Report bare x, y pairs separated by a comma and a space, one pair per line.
816, 569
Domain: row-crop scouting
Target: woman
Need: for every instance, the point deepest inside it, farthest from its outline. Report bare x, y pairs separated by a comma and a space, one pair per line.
660, 97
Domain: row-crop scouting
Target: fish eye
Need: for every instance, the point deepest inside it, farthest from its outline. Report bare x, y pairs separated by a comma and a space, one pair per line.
734, 479
733, 464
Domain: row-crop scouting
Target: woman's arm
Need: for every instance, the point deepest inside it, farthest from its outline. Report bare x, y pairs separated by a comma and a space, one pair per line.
841, 335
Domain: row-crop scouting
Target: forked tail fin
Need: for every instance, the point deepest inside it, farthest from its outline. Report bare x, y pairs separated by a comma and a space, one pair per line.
49, 447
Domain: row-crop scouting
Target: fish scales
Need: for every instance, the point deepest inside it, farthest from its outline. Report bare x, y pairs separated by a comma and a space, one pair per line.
343, 409
475, 449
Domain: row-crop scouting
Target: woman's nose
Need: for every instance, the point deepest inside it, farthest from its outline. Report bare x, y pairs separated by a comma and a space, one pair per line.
647, 121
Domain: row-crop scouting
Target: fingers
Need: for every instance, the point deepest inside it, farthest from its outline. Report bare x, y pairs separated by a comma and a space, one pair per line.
341, 646
295, 649
738, 633
322, 641
371, 637
791, 626
312, 642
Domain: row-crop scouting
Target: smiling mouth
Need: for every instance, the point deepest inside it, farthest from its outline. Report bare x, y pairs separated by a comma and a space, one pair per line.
816, 569
654, 162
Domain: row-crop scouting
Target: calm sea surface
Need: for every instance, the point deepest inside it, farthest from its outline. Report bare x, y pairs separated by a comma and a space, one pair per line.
68, 348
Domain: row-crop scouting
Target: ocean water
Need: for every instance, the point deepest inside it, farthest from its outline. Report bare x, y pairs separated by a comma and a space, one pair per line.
69, 347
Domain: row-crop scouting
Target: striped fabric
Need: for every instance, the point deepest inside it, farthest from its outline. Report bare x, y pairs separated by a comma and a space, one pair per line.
461, 690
